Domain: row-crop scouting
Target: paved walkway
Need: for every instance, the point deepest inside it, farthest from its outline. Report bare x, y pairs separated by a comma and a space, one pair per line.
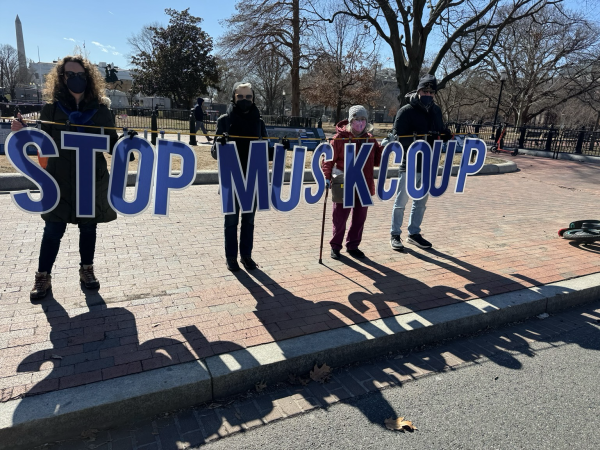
167, 298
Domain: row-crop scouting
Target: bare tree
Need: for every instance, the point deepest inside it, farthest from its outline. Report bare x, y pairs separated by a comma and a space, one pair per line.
470, 29
142, 40
343, 73
270, 78
549, 59
9, 68
262, 26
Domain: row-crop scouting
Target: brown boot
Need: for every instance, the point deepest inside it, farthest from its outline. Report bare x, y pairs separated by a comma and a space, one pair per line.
87, 277
41, 286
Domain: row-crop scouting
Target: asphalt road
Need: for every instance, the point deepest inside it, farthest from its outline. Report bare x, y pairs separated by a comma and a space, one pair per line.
544, 398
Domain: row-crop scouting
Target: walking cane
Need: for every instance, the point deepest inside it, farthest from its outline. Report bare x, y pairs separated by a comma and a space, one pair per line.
323, 225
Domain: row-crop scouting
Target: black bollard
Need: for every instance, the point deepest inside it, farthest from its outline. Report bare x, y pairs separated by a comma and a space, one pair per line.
154, 126
193, 128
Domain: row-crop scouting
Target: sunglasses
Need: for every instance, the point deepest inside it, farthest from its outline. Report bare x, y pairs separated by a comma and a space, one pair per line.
241, 97
70, 74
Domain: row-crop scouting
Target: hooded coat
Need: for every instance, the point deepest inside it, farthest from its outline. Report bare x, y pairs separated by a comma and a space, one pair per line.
64, 167
338, 144
415, 118
198, 112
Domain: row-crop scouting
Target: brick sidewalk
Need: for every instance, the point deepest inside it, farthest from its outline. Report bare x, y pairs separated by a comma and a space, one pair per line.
167, 298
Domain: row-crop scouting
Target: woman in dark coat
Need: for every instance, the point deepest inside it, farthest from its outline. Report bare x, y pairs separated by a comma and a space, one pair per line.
75, 90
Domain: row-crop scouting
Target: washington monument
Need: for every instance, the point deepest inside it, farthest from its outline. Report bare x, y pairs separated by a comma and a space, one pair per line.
21, 50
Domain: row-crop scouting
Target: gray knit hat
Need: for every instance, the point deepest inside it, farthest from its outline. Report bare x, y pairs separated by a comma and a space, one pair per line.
357, 111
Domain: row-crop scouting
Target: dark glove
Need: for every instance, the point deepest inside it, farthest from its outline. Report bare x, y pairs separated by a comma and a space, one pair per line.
132, 133
327, 183
223, 139
286, 143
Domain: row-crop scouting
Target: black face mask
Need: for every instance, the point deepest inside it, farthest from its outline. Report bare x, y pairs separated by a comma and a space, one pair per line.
76, 85
243, 105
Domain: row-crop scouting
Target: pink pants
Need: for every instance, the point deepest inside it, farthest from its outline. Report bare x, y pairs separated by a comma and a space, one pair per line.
357, 224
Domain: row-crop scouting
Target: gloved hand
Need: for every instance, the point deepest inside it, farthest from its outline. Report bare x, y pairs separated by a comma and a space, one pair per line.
132, 133
223, 139
286, 143
327, 183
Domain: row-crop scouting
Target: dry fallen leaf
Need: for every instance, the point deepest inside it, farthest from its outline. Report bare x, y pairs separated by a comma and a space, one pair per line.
214, 405
56, 357
321, 374
399, 424
90, 435
260, 386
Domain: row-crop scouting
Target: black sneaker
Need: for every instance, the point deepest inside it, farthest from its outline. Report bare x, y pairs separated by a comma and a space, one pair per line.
417, 239
356, 253
232, 264
248, 263
335, 254
396, 243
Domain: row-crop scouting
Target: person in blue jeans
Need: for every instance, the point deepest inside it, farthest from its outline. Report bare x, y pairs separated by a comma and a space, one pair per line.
421, 116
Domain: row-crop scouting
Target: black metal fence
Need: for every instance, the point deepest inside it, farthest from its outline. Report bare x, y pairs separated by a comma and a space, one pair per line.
167, 119
551, 139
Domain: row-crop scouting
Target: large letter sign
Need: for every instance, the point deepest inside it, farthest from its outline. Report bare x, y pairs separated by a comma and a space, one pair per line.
85, 146
232, 182
15, 151
251, 188
317, 173
164, 181
296, 179
354, 177
118, 176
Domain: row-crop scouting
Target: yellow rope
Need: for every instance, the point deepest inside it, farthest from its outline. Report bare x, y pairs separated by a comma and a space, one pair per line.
47, 122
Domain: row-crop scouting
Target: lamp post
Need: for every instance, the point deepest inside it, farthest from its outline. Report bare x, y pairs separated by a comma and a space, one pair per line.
502, 80
282, 103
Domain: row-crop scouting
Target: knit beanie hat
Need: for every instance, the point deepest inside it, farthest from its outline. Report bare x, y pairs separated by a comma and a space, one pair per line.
428, 81
357, 111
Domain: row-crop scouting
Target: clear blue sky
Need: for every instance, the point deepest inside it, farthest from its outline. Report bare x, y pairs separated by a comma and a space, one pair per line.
105, 29
103, 25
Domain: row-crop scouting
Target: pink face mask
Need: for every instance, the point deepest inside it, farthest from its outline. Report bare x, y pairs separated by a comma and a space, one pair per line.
359, 125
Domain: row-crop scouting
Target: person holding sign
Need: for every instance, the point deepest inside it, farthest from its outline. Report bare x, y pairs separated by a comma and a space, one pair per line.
354, 130
241, 119
75, 90
421, 116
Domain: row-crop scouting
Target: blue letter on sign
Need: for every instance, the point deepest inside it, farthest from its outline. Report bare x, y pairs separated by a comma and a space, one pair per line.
471, 145
435, 191
118, 176
354, 178
86, 146
163, 181
295, 181
411, 169
317, 172
15, 150
396, 149
232, 182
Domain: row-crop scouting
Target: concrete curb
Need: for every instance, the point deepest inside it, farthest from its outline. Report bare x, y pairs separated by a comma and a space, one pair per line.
32, 421
17, 182
565, 156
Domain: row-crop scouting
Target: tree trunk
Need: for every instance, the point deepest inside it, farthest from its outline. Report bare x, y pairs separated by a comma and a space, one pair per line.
295, 72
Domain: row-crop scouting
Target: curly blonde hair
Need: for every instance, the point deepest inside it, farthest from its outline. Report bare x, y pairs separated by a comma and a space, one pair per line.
96, 86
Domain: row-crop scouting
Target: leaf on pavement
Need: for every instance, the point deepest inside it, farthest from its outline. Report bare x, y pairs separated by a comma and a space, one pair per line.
399, 424
260, 386
90, 435
321, 374
56, 357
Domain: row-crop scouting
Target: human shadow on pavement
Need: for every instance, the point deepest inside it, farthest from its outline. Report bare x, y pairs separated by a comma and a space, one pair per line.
96, 345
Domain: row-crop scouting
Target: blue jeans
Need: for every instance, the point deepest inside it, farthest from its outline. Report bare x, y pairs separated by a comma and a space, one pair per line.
200, 125
246, 233
53, 233
416, 213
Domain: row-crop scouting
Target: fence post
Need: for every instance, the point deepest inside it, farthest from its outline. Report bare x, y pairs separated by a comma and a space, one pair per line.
153, 126
477, 126
522, 136
458, 128
579, 144
549, 139
193, 128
